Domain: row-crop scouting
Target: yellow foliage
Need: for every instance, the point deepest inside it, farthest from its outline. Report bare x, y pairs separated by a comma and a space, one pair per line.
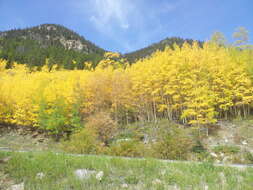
196, 85
192, 84
3, 64
112, 59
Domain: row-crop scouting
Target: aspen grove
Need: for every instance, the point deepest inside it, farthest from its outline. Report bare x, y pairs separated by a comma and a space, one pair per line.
192, 85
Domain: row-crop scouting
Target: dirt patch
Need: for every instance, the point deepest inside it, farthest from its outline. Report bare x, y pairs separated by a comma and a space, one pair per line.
234, 139
5, 181
17, 138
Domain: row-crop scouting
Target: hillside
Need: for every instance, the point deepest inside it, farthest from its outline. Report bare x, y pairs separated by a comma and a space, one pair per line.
61, 45
144, 52
192, 104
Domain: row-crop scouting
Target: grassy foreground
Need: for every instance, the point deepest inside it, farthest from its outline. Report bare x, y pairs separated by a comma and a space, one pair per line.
119, 173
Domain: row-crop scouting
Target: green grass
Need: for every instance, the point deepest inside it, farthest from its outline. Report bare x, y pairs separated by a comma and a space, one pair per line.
138, 174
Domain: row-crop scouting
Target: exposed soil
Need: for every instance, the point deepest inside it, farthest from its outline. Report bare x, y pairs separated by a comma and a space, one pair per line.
16, 138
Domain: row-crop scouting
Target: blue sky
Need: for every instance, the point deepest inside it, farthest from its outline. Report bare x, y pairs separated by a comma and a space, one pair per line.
127, 25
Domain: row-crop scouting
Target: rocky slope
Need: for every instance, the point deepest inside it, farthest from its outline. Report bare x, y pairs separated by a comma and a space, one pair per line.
32, 46
53, 34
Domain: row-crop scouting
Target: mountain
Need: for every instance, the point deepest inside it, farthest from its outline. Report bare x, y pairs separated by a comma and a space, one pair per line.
64, 47
144, 52
33, 45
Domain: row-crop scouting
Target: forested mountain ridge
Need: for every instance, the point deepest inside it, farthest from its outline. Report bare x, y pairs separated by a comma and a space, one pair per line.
64, 47
168, 42
52, 34
59, 44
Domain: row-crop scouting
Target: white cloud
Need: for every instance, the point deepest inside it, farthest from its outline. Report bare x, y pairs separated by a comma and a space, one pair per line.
118, 19
125, 26
109, 13
168, 7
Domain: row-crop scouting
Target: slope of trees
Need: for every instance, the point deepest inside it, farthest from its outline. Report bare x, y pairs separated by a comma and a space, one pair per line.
32, 46
147, 51
192, 85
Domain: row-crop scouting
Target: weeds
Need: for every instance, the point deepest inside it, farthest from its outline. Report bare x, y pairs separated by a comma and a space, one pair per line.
137, 174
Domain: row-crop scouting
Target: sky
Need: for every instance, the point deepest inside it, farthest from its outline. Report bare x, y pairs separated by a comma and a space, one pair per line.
128, 25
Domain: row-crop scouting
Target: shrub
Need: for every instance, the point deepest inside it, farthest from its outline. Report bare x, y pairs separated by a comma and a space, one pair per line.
202, 156
53, 118
129, 148
198, 147
172, 143
199, 152
245, 157
75, 118
226, 149
104, 126
83, 142
134, 130
56, 119
249, 157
